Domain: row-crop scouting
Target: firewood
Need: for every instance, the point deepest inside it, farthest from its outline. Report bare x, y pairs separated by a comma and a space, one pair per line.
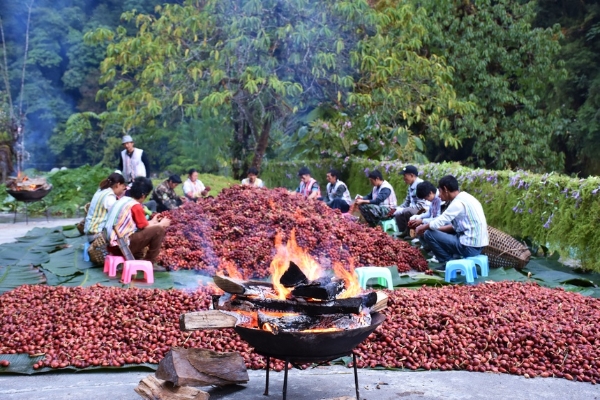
201, 367
293, 276
238, 286
300, 322
152, 388
209, 319
381, 303
322, 289
353, 305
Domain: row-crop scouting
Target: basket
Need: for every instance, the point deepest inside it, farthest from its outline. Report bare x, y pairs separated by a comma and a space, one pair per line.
505, 251
97, 250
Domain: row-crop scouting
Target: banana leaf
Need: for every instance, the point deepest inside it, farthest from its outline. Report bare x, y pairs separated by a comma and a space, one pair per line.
12, 277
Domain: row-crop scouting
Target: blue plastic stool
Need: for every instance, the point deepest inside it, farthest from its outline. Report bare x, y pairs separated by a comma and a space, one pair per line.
482, 261
389, 224
466, 267
86, 256
366, 273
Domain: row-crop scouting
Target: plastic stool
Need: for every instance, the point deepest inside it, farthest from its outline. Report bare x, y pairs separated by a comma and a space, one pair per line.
482, 261
366, 273
110, 264
466, 267
389, 224
86, 256
131, 267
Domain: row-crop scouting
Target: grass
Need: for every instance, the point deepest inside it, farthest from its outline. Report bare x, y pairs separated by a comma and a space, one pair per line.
216, 183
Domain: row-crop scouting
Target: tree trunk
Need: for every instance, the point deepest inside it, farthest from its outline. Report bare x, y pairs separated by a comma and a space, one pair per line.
263, 142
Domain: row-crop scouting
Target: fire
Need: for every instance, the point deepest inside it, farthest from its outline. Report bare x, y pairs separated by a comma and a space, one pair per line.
350, 280
291, 252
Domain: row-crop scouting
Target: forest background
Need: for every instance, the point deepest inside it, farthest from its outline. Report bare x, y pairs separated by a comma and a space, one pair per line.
223, 85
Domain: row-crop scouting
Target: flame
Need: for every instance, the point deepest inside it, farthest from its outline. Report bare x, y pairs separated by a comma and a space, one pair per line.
316, 330
211, 285
291, 252
267, 327
350, 280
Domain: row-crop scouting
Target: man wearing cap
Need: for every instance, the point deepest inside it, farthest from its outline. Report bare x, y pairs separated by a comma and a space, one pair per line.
380, 203
133, 162
165, 196
309, 187
412, 203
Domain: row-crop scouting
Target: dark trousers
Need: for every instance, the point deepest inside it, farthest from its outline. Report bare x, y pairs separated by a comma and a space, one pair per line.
447, 245
403, 217
151, 236
339, 204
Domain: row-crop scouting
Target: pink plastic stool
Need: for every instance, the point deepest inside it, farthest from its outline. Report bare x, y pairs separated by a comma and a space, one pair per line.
110, 264
132, 267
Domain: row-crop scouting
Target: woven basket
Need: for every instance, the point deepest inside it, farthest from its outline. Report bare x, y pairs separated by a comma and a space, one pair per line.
505, 251
97, 250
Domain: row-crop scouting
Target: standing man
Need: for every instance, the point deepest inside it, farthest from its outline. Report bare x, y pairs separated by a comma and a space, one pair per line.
338, 195
164, 195
253, 179
461, 230
412, 204
133, 162
309, 187
379, 204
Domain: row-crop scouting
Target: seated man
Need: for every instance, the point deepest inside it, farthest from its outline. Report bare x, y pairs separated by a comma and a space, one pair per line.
253, 179
128, 219
164, 195
338, 196
412, 204
309, 187
193, 188
379, 204
426, 191
461, 230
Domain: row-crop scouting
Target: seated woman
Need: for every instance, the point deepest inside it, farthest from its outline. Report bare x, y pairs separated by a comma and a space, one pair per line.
127, 218
193, 188
110, 190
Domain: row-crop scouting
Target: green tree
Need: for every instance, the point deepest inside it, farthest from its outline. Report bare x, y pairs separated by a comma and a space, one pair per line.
503, 65
268, 64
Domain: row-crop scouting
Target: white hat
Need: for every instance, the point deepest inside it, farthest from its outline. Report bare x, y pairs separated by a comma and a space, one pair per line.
127, 139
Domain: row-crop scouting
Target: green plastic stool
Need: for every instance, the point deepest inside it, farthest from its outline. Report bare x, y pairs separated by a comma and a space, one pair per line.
366, 273
389, 224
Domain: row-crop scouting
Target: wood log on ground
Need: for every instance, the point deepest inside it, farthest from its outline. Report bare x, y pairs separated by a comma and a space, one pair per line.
201, 367
152, 388
353, 305
323, 289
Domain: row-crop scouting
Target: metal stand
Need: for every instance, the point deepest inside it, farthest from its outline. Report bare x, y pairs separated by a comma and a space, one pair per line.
285, 376
26, 214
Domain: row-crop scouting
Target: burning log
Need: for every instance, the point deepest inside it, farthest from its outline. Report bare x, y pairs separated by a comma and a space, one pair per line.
353, 305
323, 288
152, 388
300, 322
201, 367
293, 276
238, 286
212, 319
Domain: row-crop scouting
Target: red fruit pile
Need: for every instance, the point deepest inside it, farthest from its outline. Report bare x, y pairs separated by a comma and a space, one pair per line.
504, 327
240, 224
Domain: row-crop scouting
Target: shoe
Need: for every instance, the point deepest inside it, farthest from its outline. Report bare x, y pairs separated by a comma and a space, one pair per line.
441, 268
433, 260
415, 241
158, 268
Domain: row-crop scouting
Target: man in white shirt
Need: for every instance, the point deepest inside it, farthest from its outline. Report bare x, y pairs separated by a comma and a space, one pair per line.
461, 230
253, 179
133, 161
412, 204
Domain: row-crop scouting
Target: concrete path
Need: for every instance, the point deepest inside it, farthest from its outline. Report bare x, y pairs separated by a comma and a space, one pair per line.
331, 383
313, 384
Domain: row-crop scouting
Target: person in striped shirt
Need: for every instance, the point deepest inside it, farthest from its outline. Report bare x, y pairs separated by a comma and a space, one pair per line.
110, 190
461, 230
